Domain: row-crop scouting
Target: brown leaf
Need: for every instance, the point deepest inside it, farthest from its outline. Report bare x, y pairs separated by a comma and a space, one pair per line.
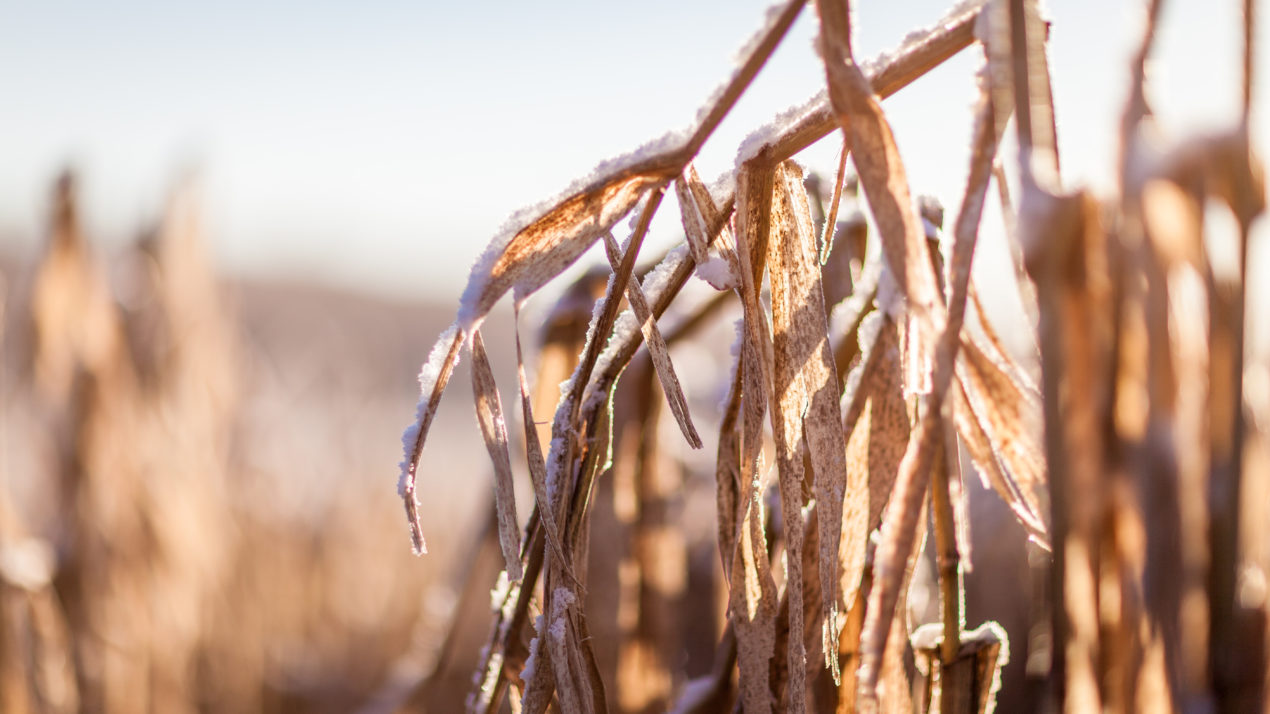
881, 172
752, 606
562, 616
988, 462
694, 223
432, 380
753, 598
788, 399
807, 382
489, 414
538, 252
900, 524
727, 470
656, 349
1004, 410
831, 219
877, 423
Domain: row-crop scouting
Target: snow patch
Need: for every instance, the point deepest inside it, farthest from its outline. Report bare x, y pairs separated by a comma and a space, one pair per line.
718, 273
498, 594
561, 600
768, 133
527, 673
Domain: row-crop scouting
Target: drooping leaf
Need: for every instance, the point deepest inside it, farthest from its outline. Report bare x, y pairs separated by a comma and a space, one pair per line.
433, 377
656, 349
807, 382
489, 414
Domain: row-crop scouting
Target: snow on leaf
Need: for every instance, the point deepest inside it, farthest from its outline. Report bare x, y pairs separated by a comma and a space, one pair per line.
433, 377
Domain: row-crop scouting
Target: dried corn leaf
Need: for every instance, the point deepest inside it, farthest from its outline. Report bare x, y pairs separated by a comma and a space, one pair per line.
877, 422
1004, 409
568, 656
753, 225
753, 597
567, 427
538, 252
788, 399
727, 470
812, 633
535, 249
694, 223
510, 604
489, 414
807, 382
702, 222
831, 218
994, 475
901, 520
715, 219
433, 377
656, 349
752, 606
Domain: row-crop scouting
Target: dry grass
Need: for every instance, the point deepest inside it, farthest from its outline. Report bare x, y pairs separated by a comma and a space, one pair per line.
1131, 493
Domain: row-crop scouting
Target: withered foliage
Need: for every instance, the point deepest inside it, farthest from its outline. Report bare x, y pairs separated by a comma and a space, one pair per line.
1127, 469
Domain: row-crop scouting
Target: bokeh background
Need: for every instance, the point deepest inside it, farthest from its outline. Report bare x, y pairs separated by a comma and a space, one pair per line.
229, 233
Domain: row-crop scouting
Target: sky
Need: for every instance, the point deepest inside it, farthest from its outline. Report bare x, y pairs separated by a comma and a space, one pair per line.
381, 144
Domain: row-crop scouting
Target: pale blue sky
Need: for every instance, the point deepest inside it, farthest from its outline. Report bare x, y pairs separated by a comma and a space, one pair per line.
381, 144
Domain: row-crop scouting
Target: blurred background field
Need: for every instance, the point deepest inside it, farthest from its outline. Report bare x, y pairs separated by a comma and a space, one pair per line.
195, 509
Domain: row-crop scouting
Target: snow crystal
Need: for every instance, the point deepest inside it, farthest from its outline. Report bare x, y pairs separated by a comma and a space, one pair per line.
770, 17
717, 272
929, 229
498, 594
870, 327
723, 188
527, 673
557, 630
561, 600
659, 277
890, 297
428, 375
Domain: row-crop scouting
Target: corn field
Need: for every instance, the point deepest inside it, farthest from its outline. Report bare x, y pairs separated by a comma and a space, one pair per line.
871, 410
